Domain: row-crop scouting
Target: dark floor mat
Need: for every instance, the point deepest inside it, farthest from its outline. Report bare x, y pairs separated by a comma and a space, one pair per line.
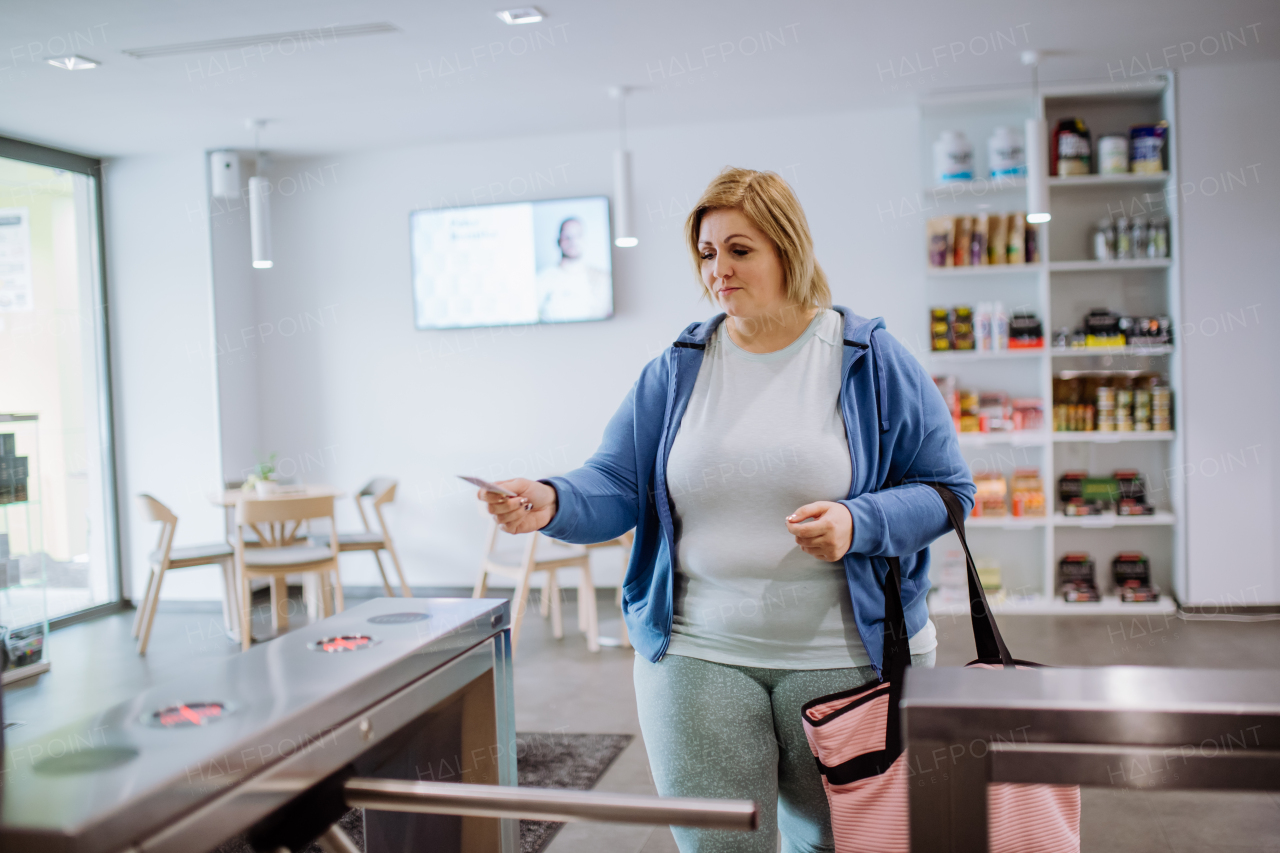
561, 761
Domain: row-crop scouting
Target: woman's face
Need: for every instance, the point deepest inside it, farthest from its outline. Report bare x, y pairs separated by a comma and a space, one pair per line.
740, 265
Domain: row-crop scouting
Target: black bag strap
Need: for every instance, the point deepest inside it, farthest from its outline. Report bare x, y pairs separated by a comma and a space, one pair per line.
897, 657
986, 634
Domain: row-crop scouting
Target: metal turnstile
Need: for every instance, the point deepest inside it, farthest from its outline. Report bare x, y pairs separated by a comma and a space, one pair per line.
402, 707
1120, 726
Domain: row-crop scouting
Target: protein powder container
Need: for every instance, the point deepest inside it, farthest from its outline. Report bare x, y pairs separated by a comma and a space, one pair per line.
1006, 154
953, 157
1113, 155
1148, 142
1072, 150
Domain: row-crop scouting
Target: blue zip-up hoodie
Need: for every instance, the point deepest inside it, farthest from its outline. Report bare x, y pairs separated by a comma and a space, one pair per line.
900, 435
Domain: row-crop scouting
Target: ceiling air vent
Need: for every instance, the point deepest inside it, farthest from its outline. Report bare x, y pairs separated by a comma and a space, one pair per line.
301, 38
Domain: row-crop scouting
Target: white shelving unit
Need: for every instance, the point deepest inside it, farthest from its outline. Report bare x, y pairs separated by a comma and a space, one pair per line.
987, 355
980, 187
999, 269
1061, 288
1039, 605
1160, 518
1128, 179
1110, 266
1080, 352
1016, 438
1007, 522
1112, 437
1106, 521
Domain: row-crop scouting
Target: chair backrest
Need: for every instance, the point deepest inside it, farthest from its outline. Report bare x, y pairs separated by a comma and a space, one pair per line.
491, 542
251, 510
381, 489
278, 521
157, 511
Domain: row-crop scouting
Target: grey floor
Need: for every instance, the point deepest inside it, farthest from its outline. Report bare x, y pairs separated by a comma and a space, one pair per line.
561, 687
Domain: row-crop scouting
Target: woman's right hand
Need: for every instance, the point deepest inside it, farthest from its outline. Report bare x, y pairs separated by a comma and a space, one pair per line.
532, 510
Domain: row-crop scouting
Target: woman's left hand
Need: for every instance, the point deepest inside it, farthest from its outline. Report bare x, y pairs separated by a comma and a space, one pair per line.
828, 531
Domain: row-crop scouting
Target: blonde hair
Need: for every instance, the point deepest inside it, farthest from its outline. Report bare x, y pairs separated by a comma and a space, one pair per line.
768, 202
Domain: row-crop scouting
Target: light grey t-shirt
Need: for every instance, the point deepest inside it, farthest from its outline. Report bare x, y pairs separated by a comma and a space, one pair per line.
761, 437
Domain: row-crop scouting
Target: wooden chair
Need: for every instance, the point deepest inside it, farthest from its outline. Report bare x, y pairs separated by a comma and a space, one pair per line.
250, 540
541, 554
382, 491
625, 541
276, 522
166, 557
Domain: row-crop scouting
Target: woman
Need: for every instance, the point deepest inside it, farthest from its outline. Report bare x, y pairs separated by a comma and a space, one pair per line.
766, 460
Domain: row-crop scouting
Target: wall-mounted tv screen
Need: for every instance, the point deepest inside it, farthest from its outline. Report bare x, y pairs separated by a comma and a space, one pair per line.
507, 264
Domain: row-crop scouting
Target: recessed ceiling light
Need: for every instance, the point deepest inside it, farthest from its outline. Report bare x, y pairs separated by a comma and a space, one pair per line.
523, 15
73, 63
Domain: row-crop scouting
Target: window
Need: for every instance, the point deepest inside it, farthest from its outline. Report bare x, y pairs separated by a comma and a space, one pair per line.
57, 509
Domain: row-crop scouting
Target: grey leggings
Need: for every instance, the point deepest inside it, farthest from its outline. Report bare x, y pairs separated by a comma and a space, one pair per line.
715, 730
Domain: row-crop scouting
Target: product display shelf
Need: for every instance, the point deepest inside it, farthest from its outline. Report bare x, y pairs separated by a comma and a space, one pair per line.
1110, 266
1007, 522
1014, 438
1108, 110
1095, 437
1040, 605
1026, 606
985, 269
1078, 352
1111, 605
979, 187
985, 355
24, 622
1122, 179
1110, 519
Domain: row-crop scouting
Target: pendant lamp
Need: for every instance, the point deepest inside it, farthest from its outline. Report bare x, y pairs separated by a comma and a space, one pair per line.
259, 206
260, 222
623, 234
1037, 148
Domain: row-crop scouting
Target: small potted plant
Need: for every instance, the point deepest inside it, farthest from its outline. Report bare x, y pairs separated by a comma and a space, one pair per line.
263, 477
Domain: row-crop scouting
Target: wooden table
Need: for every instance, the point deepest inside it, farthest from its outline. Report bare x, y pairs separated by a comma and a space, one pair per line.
230, 497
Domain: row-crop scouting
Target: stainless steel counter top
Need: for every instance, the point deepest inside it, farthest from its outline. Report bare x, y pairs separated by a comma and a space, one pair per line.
1118, 727
1112, 688
121, 775
1111, 705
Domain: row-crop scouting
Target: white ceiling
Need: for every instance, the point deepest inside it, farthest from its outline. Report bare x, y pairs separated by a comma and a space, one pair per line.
452, 73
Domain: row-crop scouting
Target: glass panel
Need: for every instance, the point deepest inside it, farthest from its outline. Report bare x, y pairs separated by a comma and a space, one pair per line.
51, 366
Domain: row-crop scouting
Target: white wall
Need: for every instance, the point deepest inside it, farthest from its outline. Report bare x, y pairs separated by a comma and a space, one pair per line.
1230, 162
355, 391
346, 388
160, 310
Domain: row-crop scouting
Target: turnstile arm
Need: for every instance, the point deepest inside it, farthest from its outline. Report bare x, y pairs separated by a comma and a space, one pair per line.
547, 804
